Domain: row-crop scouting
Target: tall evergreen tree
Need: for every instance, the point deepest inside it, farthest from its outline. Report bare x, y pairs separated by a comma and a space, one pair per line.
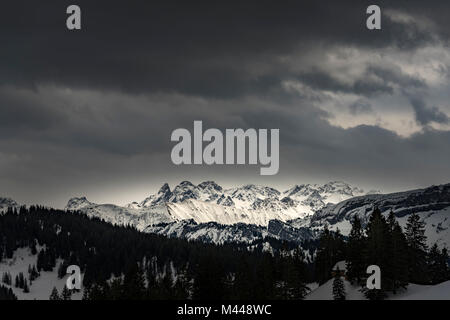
417, 249
355, 248
376, 254
208, 280
54, 294
7, 279
437, 264
134, 283
26, 288
330, 251
294, 272
66, 294
396, 269
7, 293
338, 287
182, 286
445, 263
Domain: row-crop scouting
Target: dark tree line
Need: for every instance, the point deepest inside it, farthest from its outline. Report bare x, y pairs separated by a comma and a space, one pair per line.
402, 255
21, 282
119, 262
6, 293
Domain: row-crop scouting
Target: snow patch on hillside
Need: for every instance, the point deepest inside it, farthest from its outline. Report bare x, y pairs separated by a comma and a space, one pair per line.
41, 288
413, 292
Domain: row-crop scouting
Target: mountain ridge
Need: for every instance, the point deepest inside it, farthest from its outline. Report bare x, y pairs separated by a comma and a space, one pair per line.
209, 202
214, 214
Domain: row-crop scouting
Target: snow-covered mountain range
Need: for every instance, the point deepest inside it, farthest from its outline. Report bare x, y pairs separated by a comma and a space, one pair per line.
209, 202
298, 201
210, 213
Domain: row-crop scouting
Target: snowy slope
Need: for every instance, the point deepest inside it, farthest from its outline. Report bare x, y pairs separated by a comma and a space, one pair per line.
431, 204
414, 292
325, 292
314, 197
212, 232
202, 212
41, 288
417, 292
136, 216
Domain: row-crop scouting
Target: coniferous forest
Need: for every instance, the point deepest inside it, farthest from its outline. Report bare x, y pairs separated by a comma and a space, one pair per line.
122, 263
402, 255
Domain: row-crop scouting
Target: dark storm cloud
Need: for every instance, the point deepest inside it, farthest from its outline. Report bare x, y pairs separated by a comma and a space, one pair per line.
209, 48
393, 75
95, 108
20, 110
365, 86
426, 114
373, 80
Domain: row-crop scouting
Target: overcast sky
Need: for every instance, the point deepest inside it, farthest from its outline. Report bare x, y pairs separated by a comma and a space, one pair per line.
90, 112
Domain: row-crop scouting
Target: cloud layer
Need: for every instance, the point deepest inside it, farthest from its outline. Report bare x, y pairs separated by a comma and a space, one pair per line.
91, 112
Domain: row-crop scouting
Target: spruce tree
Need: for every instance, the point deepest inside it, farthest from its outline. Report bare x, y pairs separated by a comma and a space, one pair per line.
437, 264
62, 270
209, 279
66, 294
26, 288
294, 273
338, 287
376, 254
134, 283
355, 248
396, 269
417, 249
55, 295
21, 280
86, 293
330, 251
6, 293
182, 287
242, 286
7, 279
34, 273
445, 264
398, 260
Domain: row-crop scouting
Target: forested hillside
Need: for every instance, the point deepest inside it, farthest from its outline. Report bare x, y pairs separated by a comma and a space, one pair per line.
122, 263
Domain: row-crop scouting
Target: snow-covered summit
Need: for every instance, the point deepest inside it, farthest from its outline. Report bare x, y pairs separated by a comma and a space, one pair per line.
317, 196
6, 203
210, 202
302, 206
300, 200
77, 203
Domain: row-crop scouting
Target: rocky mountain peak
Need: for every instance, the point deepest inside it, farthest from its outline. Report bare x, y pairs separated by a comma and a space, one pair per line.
165, 189
77, 203
6, 203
